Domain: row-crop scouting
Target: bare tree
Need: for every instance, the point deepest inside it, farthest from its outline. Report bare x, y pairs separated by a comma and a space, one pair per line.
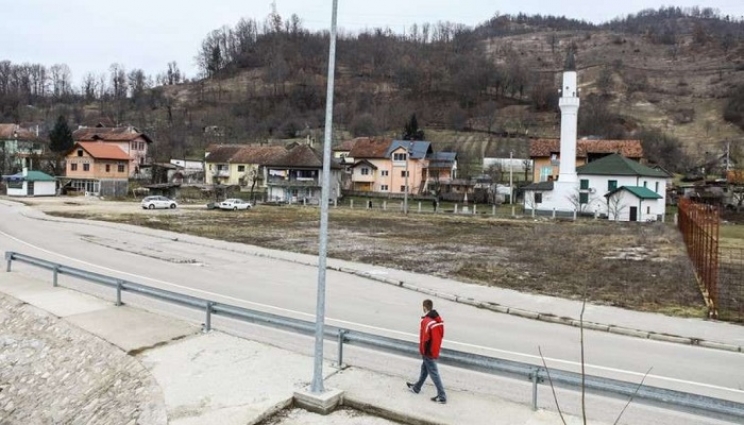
616, 205
579, 202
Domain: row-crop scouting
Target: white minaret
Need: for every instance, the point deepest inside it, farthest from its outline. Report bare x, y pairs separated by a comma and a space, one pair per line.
569, 104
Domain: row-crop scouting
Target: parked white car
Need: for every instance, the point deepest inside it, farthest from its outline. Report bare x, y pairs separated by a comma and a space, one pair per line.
152, 202
235, 204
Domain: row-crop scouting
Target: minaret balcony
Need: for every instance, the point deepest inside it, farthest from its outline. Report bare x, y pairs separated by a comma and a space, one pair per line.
568, 101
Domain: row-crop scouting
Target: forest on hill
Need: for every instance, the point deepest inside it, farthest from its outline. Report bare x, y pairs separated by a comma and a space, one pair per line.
672, 77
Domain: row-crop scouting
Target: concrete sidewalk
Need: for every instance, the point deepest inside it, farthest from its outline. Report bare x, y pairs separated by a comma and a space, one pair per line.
217, 378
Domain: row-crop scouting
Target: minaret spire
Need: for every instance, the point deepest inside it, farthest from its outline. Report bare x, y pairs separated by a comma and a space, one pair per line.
569, 104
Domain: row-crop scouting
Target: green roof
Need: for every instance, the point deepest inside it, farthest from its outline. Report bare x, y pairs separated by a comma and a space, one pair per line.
640, 192
38, 176
618, 165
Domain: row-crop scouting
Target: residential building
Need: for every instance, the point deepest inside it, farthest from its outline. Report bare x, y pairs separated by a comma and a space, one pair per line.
20, 148
546, 154
98, 169
134, 143
381, 166
296, 177
30, 183
611, 185
240, 165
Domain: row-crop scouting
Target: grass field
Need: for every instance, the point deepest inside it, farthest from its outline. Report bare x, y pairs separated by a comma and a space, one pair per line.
641, 267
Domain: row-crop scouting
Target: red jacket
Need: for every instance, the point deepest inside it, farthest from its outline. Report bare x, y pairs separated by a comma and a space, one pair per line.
431, 334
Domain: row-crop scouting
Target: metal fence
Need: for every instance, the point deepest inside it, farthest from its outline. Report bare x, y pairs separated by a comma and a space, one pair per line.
671, 399
699, 224
731, 284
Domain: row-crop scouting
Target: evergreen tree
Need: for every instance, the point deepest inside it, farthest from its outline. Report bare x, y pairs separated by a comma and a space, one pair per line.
61, 136
412, 130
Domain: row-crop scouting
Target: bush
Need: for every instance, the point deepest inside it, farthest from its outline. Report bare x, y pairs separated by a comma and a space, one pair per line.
734, 110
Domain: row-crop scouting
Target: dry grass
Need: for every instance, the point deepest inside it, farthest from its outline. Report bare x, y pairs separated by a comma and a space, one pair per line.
641, 267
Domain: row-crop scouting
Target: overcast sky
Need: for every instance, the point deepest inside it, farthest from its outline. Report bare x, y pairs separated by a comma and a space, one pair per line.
90, 35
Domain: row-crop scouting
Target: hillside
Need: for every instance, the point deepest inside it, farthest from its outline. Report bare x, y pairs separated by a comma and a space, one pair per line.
669, 77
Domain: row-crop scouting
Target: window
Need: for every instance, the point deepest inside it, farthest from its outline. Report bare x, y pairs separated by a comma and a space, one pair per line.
584, 184
120, 168
404, 173
545, 172
241, 168
645, 184
365, 171
384, 173
538, 198
80, 152
403, 188
583, 198
399, 157
73, 167
611, 185
384, 188
108, 168
648, 210
657, 187
86, 167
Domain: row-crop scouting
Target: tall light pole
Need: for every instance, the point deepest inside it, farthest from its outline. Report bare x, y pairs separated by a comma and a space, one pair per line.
317, 384
511, 189
405, 195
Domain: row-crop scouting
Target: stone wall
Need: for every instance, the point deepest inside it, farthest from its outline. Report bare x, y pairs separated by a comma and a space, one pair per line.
53, 372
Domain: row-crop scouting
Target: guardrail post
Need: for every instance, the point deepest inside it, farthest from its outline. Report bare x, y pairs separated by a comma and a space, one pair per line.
208, 320
54, 276
534, 378
9, 259
341, 334
119, 284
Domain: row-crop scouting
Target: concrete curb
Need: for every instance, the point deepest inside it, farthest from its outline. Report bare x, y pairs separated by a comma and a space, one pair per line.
393, 415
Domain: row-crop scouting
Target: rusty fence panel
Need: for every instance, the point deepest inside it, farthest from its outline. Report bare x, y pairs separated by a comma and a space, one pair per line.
700, 224
731, 285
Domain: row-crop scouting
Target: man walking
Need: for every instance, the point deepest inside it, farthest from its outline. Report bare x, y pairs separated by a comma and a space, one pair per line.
430, 341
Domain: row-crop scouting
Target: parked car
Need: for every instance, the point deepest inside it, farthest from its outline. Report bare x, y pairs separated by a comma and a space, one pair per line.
152, 202
235, 204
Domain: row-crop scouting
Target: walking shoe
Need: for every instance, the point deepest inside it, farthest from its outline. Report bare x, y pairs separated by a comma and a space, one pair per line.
411, 387
439, 400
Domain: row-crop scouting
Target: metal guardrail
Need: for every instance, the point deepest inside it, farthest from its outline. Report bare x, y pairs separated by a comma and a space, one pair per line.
671, 399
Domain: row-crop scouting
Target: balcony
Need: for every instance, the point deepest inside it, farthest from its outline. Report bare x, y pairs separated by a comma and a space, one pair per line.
293, 181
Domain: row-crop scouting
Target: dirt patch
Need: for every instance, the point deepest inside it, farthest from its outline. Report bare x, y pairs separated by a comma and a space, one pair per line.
642, 267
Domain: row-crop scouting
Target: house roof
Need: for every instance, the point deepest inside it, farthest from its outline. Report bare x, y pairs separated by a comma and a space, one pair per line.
14, 131
365, 147
418, 149
99, 150
222, 154
637, 191
108, 134
618, 165
540, 186
442, 159
364, 162
261, 155
301, 156
347, 145
32, 176
584, 147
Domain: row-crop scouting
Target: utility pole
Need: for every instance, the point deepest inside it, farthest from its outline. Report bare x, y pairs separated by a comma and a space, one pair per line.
317, 384
511, 190
405, 194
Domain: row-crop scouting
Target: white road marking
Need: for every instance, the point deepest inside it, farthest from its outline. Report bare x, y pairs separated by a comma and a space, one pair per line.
374, 328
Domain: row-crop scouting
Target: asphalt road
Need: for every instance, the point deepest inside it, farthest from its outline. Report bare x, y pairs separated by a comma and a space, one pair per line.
238, 274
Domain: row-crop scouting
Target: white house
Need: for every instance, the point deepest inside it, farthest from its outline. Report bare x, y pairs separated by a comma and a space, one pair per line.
612, 186
31, 183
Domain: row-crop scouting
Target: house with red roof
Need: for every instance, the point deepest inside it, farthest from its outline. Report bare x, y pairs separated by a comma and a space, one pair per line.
134, 143
98, 169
